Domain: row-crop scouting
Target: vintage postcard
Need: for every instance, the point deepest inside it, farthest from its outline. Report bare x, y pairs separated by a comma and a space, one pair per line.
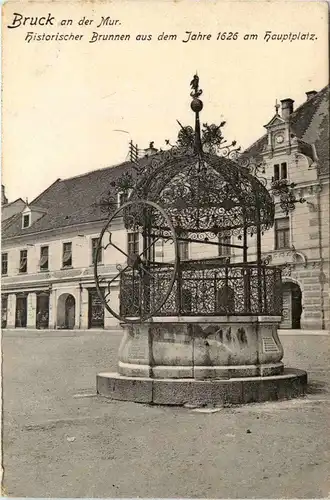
165, 249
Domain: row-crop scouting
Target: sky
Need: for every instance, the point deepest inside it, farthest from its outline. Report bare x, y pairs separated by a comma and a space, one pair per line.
64, 101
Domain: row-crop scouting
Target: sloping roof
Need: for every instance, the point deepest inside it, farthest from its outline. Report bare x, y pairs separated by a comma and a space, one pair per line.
12, 208
310, 123
7, 222
76, 200
70, 201
12, 203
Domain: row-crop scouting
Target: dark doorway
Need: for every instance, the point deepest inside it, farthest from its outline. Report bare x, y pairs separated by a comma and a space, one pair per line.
42, 320
292, 306
296, 307
4, 308
70, 312
95, 310
21, 311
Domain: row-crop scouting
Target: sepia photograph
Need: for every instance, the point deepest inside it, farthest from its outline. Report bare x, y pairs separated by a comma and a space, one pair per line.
165, 249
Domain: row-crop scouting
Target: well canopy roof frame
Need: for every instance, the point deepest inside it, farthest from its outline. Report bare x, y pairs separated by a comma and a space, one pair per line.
201, 192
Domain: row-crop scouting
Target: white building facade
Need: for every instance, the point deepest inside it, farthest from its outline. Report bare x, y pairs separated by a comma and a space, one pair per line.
48, 245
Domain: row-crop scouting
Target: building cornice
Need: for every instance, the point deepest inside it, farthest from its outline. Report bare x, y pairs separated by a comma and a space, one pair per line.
48, 233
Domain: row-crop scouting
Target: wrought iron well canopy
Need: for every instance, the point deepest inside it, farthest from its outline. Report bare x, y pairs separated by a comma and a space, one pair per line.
202, 193
189, 193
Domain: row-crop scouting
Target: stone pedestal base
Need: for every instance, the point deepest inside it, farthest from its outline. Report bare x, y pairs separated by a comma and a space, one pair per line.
201, 348
202, 360
292, 383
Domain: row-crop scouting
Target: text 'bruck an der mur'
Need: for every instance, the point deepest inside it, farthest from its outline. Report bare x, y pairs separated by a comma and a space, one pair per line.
20, 22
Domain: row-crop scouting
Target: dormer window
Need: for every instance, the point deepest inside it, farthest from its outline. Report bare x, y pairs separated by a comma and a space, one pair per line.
26, 220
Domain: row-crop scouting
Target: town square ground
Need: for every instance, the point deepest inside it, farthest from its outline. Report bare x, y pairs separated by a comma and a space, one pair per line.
62, 440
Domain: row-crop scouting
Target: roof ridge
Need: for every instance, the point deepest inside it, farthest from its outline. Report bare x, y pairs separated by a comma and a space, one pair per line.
95, 170
309, 100
293, 114
45, 191
316, 109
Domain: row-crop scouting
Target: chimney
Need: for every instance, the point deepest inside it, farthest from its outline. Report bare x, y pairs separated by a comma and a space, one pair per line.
287, 108
310, 94
4, 200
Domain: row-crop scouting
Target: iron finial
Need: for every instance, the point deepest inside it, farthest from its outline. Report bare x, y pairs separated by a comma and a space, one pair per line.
194, 84
197, 106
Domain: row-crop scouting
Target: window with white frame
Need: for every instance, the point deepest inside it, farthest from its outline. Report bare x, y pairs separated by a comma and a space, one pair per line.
284, 170
26, 220
44, 258
94, 251
280, 171
23, 261
133, 242
282, 233
67, 255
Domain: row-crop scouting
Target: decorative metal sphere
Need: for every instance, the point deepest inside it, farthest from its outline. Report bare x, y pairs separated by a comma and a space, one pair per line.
196, 105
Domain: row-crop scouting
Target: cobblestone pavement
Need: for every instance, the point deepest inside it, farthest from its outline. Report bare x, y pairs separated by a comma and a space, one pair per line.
61, 440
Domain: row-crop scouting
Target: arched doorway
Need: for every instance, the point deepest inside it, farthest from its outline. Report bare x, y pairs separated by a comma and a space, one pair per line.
66, 311
292, 305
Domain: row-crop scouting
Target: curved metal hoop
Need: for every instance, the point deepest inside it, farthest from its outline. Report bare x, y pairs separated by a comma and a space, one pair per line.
144, 317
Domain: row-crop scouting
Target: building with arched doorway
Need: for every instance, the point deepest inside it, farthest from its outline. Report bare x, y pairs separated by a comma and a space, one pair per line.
66, 311
48, 245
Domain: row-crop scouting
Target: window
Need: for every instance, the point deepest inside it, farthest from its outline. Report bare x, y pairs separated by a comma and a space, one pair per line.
152, 249
282, 233
67, 255
133, 243
4, 263
284, 171
26, 220
224, 239
94, 248
44, 261
23, 261
280, 173
183, 250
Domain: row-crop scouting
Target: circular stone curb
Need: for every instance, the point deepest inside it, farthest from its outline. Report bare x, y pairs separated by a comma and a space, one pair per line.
291, 384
